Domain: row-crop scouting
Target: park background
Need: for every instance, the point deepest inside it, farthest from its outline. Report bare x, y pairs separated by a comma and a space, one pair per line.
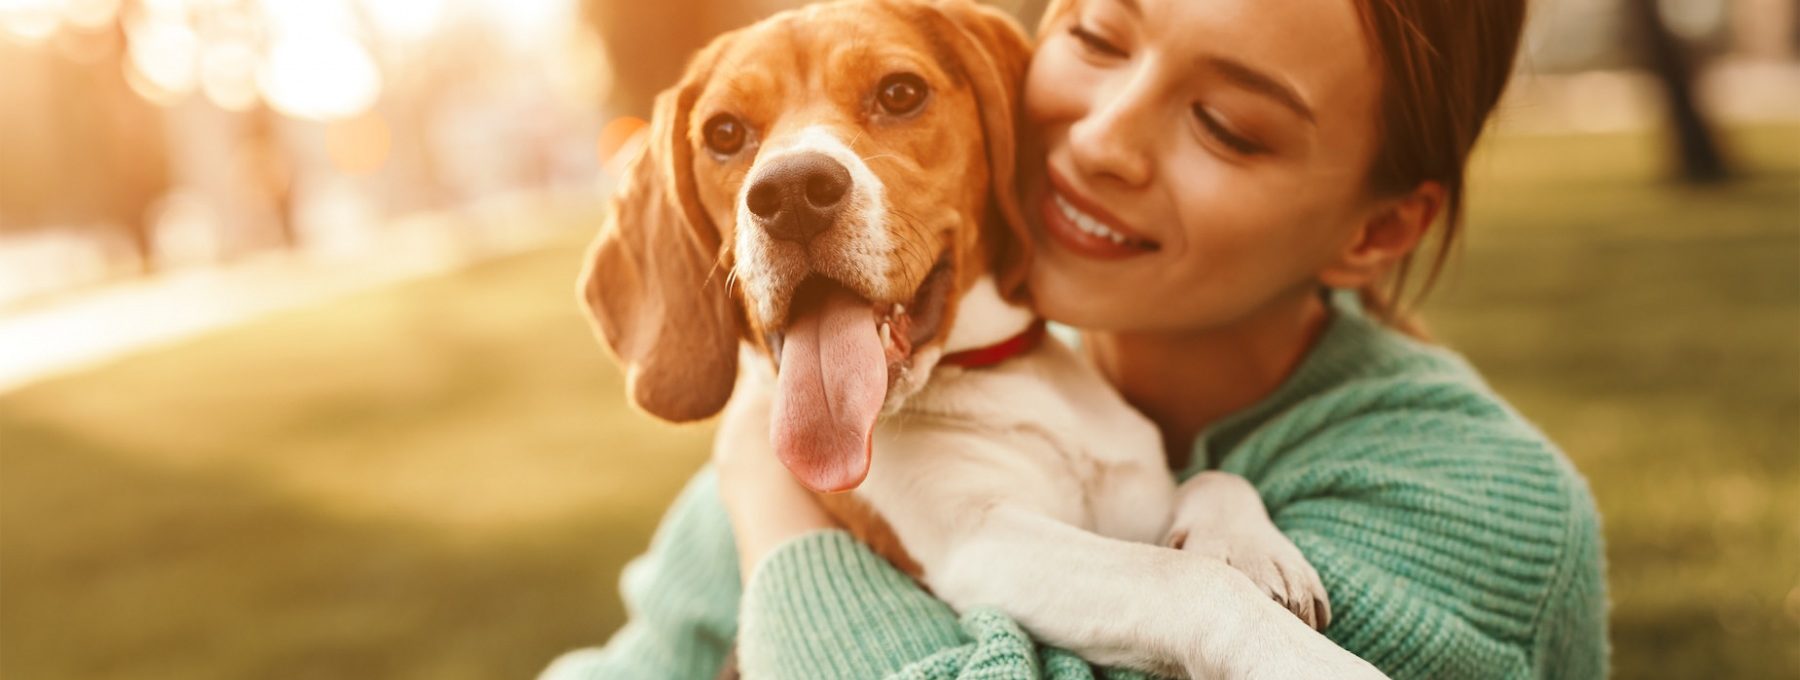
293, 382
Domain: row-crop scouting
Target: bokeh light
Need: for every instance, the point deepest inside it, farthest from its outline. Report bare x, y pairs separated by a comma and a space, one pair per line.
319, 75
29, 21
165, 51
228, 75
90, 14
406, 21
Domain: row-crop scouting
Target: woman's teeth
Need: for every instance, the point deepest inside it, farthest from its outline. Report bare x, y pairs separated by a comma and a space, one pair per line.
1091, 226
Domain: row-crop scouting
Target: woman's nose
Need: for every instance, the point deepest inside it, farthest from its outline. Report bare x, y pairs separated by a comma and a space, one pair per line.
1115, 138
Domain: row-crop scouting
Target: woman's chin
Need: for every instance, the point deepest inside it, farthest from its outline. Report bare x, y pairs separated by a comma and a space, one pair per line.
1081, 300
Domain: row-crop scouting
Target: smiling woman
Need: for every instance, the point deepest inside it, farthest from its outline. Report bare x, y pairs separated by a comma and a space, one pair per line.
1269, 124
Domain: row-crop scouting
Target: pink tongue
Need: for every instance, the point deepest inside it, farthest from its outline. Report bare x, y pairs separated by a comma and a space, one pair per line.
832, 383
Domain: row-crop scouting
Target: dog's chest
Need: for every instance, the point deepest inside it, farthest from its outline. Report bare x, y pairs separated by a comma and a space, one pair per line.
1025, 437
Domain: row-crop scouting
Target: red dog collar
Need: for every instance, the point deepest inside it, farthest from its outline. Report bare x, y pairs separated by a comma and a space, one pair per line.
979, 357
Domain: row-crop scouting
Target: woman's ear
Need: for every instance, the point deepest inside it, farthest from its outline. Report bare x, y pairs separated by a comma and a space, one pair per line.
1390, 232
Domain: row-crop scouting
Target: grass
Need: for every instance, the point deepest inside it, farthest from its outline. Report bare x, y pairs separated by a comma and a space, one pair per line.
1654, 332
440, 479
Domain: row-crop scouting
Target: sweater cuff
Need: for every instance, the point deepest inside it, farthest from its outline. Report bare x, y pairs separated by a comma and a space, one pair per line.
823, 605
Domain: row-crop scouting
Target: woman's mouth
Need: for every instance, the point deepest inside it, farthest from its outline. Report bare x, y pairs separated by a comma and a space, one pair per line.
1071, 222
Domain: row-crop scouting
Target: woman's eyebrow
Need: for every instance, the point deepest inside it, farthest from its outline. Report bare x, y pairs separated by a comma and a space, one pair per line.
1259, 82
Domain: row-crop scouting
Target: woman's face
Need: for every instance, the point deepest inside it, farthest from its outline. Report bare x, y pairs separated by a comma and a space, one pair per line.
1203, 158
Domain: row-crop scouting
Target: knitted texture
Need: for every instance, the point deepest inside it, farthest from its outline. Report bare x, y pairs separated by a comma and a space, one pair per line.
681, 598
1453, 538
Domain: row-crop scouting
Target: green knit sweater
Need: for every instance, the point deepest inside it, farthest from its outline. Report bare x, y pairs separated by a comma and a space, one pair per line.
1453, 538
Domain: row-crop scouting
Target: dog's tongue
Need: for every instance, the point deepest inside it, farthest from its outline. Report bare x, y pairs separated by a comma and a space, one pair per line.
832, 383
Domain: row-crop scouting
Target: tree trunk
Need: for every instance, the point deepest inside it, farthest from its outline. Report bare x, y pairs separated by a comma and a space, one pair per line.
1701, 158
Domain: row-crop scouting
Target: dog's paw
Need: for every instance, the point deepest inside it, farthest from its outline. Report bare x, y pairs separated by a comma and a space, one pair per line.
1271, 561
1221, 516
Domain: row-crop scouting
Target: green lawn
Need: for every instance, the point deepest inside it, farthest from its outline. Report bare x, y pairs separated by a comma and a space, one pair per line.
1654, 332
441, 480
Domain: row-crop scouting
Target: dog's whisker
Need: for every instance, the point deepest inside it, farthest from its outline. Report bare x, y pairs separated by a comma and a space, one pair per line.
730, 274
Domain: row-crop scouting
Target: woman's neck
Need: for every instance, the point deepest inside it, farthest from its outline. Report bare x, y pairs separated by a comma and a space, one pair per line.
1187, 380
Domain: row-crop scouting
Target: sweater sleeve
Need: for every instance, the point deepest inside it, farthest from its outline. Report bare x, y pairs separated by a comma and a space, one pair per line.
680, 599
824, 606
1449, 538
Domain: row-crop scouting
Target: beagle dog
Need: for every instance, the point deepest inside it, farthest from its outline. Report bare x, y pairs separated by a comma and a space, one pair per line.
826, 201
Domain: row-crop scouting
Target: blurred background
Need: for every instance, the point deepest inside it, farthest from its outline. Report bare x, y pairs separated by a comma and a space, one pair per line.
293, 383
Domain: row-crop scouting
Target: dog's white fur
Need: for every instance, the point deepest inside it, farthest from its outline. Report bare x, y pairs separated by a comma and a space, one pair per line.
1032, 487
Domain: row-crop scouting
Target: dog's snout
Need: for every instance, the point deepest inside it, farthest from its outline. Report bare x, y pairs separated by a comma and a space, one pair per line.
798, 197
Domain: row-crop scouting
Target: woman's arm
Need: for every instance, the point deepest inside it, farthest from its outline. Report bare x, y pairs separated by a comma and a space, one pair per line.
1454, 543
818, 603
824, 606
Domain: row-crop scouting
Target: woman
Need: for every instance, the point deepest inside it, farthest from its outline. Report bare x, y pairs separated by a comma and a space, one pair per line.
1270, 165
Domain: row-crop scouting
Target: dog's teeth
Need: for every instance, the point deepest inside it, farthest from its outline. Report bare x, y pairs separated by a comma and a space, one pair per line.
899, 309
887, 334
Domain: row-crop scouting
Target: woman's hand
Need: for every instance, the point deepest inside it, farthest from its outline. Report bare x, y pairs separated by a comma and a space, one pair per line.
766, 504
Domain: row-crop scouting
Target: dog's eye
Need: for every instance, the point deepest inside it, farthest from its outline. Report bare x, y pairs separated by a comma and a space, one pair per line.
901, 93
724, 134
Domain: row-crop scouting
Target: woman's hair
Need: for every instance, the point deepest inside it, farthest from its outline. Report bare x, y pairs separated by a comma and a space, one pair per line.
1444, 64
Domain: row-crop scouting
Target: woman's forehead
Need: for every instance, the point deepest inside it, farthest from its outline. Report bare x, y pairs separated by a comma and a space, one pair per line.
1315, 48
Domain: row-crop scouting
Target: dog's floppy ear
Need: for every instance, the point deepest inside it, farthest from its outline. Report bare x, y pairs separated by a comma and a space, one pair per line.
994, 54
654, 285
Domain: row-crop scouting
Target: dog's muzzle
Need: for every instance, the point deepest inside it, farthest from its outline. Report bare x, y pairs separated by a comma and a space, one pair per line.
799, 197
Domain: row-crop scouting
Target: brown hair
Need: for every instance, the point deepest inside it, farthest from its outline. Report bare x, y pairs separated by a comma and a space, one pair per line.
1444, 64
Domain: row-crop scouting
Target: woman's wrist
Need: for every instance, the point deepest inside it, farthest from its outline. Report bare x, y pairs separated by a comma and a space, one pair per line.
766, 504
762, 520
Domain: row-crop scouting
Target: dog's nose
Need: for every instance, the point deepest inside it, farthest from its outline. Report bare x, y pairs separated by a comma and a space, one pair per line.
798, 197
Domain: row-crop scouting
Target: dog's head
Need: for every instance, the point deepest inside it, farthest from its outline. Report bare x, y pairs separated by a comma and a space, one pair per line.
824, 184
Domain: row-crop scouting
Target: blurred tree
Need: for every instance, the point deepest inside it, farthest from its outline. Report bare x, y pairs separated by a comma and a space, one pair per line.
648, 43
1702, 161
267, 170
81, 149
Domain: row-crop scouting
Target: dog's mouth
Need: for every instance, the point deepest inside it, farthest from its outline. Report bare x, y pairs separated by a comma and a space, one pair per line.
899, 326
837, 358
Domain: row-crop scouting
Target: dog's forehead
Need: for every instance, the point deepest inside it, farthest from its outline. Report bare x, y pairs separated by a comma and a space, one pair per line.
810, 49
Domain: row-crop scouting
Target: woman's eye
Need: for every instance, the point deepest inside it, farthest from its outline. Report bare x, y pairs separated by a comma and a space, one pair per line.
1094, 42
1219, 131
724, 134
900, 93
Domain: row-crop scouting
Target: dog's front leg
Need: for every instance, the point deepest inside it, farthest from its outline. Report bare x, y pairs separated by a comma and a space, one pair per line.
1131, 604
1220, 515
